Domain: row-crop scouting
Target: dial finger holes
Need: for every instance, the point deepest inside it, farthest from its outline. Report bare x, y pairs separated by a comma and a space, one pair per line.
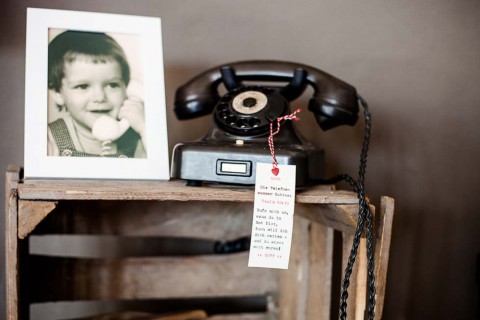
254, 122
224, 114
242, 123
231, 120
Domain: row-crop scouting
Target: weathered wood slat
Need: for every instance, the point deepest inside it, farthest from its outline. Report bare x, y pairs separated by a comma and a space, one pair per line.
115, 247
129, 315
11, 244
336, 216
213, 220
382, 251
294, 281
192, 315
31, 213
361, 281
339, 217
183, 219
79, 309
189, 315
246, 316
150, 278
320, 272
162, 190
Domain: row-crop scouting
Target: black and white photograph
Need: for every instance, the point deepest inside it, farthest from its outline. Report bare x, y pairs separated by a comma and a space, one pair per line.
98, 111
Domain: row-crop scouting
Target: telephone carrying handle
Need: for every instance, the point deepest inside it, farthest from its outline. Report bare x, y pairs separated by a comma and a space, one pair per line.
333, 103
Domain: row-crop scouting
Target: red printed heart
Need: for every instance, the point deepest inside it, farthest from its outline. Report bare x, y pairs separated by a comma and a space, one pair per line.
275, 171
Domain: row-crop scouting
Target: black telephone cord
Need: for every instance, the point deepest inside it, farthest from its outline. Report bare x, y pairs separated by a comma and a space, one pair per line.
364, 216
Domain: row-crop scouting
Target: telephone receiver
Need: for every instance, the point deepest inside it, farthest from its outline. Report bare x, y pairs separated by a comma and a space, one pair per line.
258, 93
333, 103
107, 128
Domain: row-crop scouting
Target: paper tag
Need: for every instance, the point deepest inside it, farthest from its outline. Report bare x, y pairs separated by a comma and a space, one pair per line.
272, 217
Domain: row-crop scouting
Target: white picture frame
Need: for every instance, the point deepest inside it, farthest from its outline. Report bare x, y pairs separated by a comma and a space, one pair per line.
141, 40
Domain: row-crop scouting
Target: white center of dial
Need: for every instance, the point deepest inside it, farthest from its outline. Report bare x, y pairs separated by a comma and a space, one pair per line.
249, 102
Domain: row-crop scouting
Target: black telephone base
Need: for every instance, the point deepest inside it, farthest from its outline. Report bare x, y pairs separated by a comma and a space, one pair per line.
235, 163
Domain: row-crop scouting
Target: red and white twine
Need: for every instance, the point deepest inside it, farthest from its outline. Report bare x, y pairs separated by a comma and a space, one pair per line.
292, 116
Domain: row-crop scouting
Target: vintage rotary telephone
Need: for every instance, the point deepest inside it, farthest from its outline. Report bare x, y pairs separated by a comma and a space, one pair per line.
237, 139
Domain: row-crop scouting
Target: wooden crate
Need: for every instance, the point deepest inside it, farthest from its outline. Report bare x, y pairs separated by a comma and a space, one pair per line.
110, 244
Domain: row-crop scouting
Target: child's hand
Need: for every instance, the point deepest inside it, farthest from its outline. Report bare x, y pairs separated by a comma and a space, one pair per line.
133, 111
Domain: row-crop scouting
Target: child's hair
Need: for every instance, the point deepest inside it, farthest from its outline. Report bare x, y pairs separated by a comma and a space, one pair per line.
69, 45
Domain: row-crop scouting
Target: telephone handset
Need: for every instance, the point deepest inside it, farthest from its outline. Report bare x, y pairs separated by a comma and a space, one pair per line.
256, 96
107, 128
333, 103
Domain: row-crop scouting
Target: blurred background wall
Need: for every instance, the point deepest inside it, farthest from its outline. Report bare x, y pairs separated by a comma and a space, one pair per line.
417, 63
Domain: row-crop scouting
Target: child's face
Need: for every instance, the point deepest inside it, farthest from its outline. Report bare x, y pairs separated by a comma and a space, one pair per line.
90, 90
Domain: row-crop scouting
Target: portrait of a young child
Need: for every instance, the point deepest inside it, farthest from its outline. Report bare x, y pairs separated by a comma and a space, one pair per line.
93, 112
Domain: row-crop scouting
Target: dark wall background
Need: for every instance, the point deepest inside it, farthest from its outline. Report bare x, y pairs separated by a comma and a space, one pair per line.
417, 63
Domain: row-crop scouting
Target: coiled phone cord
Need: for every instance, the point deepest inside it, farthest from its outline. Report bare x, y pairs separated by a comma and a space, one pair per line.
364, 216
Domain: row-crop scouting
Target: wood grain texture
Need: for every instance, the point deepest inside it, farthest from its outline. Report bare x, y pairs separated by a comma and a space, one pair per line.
320, 272
163, 190
246, 316
189, 315
294, 281
31, 213
361, 281
132, 315
150, 278
215, 220
382, 251
341, 217
11, 243
212, 220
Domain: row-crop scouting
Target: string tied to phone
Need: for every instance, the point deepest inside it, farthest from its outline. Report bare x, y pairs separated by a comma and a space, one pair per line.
292, 116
